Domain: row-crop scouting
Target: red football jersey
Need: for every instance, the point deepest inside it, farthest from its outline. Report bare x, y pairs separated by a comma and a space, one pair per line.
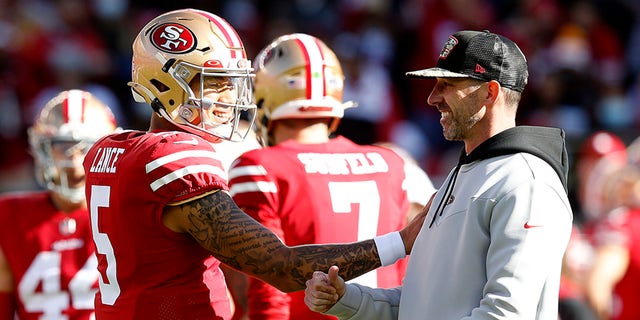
320, 193
622, 227
148, 271
51, 256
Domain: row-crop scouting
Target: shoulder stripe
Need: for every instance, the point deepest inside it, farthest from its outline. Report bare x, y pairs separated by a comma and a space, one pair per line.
175, 175
257, 186
155, 164
256, 170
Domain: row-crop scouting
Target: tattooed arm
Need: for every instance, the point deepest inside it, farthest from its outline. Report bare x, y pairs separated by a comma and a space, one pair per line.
241, 242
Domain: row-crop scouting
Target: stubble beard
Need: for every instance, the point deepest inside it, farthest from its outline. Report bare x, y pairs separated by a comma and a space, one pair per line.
458, 127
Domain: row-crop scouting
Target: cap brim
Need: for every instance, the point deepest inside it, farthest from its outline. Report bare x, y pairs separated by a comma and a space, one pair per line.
435, 73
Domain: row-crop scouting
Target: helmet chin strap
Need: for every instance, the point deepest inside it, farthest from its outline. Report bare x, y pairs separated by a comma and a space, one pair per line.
158, 108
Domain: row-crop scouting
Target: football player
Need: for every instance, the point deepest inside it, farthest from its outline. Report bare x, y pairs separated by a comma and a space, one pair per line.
159, 199
307, 187
47, 260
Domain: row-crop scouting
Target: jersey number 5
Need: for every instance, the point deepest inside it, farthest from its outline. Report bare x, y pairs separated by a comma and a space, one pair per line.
109, 290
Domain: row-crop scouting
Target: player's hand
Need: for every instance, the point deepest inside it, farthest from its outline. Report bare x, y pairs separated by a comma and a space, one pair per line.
410, 232
324, 290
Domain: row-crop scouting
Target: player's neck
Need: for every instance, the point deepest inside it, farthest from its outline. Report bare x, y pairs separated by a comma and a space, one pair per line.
159, 123
312, 134
312, 138
305, 131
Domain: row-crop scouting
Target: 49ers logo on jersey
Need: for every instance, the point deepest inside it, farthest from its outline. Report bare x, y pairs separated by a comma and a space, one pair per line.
173, 38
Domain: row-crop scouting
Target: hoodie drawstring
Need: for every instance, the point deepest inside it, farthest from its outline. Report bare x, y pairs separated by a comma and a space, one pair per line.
447, 193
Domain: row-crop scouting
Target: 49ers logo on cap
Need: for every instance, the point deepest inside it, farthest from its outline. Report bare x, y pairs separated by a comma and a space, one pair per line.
173, 38
448, 46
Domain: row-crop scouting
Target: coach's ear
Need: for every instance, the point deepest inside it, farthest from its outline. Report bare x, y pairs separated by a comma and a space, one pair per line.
492, 92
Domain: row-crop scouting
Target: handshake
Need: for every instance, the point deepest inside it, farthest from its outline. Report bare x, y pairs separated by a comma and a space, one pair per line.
324, 290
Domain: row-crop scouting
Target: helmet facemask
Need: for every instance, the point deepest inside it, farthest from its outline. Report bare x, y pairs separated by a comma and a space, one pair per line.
55, 159
222, 97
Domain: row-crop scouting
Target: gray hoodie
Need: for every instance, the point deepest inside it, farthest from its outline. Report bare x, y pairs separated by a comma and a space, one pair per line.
493, 240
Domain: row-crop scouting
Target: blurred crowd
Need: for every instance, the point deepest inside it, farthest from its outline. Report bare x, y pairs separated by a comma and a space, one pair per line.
584, 64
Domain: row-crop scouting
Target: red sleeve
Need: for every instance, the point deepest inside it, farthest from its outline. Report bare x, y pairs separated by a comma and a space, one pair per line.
184, 166
7, 299
255, 191
7, 306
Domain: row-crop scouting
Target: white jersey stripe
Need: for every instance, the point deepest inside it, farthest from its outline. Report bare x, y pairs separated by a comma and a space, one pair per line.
177, 156
258, 186
242, 171
175, 175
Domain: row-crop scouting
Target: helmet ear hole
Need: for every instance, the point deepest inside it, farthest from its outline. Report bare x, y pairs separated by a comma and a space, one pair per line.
161, 87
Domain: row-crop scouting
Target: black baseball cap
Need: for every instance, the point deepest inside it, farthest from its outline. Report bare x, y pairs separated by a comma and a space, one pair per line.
480, 55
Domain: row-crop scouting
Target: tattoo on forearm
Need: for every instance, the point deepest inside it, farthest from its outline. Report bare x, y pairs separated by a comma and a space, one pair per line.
244, 244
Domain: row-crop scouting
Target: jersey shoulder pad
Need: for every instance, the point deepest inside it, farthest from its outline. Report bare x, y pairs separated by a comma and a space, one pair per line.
182, 166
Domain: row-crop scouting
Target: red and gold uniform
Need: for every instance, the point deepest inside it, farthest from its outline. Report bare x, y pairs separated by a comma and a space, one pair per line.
333, 192
51, 256
148, 271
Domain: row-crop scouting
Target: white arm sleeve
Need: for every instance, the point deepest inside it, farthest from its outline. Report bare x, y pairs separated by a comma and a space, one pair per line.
361, 302
390, 248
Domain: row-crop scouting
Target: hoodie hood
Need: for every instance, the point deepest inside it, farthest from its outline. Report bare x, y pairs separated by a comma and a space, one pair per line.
545, 143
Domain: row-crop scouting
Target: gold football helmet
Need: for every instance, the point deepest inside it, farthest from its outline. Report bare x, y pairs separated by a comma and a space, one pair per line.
191, 67
298, 76
60, 136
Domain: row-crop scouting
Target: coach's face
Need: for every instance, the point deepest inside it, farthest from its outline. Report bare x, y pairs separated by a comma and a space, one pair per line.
458, 101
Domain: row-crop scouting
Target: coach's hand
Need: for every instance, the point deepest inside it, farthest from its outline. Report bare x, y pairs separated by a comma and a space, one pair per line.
324, 290
410, 232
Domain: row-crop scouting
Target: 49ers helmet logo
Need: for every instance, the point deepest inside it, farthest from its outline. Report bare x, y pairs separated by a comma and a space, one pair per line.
173, 38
